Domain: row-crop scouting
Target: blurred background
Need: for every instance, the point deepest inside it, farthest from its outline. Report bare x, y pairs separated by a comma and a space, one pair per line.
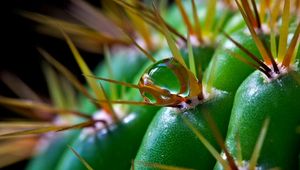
19, 56
19, 42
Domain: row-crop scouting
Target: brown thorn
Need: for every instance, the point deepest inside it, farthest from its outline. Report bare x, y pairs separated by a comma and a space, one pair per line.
64, 71
149, 56
171, 29
256, 14
274, 64
76, 113
248, 12
125, 102
265, 72
254, 35
290, 51
111, 110
114, 81
77, 126
184, 16
250, 54
297, 4
237, 56
34, 105
16, 85
90, 123
132, 164
219, 138
149, 16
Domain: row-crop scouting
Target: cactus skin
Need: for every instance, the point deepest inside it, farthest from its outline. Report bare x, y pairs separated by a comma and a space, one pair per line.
228, 71
202, 55
48, 158
256, 100
235, 24
169, 141
111, 148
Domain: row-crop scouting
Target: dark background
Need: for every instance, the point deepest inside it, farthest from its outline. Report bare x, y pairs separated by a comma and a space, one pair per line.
19, 41
18, 52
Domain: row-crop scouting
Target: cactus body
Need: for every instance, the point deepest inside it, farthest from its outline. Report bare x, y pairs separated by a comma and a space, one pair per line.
168, 141
111, 148
257, 99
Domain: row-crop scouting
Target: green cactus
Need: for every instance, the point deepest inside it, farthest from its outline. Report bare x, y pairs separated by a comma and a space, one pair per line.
220, 93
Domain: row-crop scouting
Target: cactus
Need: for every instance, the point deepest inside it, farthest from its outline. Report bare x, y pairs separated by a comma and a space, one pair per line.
220, 93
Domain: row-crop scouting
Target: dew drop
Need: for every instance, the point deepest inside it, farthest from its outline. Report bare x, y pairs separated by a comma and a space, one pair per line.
166, 83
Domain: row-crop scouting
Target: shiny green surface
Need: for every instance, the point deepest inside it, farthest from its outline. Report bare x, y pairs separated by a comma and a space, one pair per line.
169, 141
162, 75
256, 100
228, 72
111, 148
236, 23
202, 56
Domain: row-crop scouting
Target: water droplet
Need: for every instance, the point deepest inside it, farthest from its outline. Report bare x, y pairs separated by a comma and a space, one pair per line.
162, 75
166, 83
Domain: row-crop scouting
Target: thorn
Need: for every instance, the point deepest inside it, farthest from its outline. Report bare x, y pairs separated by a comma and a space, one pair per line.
256, 14
250, 54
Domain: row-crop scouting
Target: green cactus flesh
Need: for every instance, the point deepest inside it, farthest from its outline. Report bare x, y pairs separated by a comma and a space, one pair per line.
168, 141
256, 100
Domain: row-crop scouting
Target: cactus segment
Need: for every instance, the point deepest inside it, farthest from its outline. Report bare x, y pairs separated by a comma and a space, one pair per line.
256, 100
112, 147
168, 141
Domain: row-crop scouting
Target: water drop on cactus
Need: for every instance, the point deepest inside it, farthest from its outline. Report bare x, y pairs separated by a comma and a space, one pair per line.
162, 74
169, 83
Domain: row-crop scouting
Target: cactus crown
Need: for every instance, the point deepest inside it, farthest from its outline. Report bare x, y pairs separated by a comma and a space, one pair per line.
275, 62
